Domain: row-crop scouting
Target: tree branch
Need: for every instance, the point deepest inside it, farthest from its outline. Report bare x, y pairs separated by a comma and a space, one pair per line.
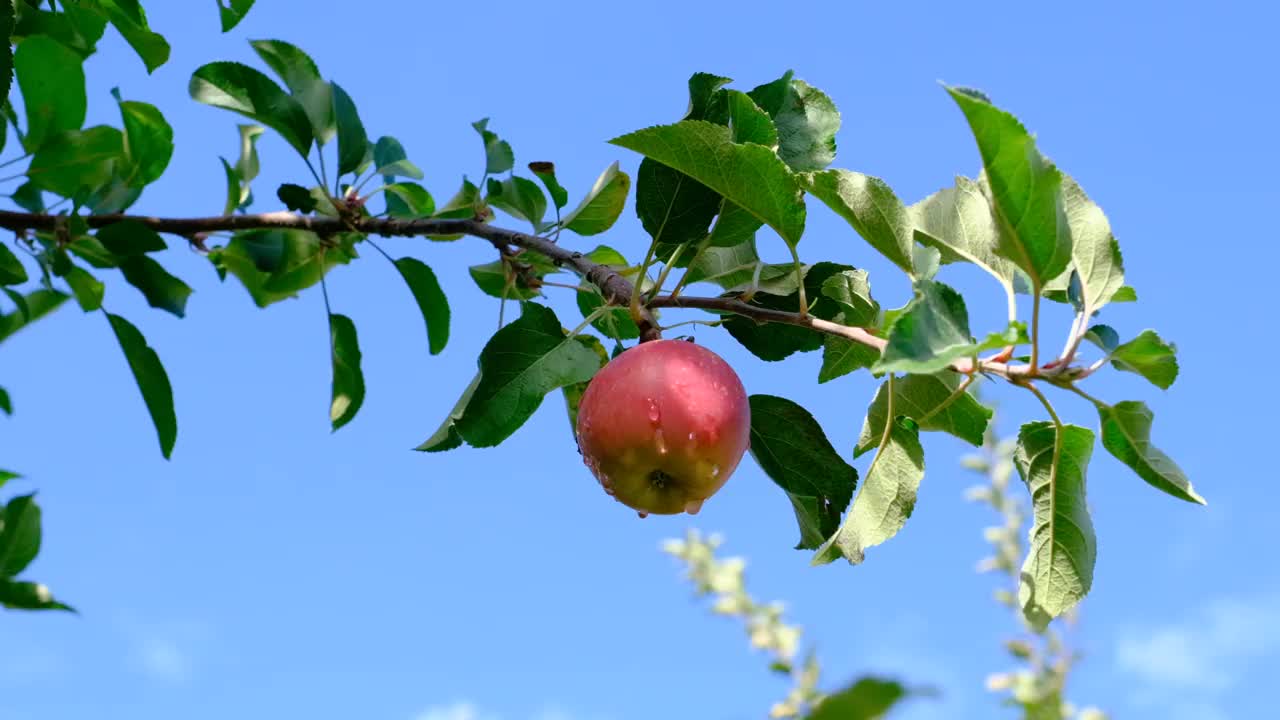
616, 289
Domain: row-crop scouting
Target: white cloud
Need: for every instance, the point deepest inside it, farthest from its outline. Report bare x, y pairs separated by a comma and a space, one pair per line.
164, 659
461, 710
1191, 664
166, 652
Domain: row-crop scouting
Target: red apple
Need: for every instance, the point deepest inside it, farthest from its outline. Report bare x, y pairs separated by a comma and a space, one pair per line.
663, 426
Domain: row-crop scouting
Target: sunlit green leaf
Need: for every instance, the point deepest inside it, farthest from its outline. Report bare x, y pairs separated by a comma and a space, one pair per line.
748, 175
871, 207
546, 172
1058, 570
806, 119
161, 289
870, 698
130, 237
431, 300
1149, 356
88, 290
1126, 434
20, 595
1095, 254
958, 222
735, 268
409, 200
130, 20
390, 159
749, 123
19, 535
12, 271
51, 79
498, 157
152, 380
231, 12
887, 497
841, 356
447, 437
348, 380
603, 204
76, 161
148, 142
795, 453
933, 403
299, 73
1034, 231
39, 303
519, 365
242, 89
519, 197
851, 291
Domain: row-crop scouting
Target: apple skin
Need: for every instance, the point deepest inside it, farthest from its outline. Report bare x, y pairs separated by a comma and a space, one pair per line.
663, 426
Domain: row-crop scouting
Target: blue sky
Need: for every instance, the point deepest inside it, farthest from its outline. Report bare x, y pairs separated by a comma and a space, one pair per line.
272, 569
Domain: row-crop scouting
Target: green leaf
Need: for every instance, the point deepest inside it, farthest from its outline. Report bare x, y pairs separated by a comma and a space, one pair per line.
11, 270
348, 380
807, 122
242, 89
19, 301
573, 393
130, 237
492, 278
600, 209
152, 380
231, 12
51, 79
887, 497
19, 535
161, 289
1125, 294
296, 198
1149, 356
7, 22
1126, 434
1024, 185
39, 303
791, 448
353, 142
6, 406
734, 270
958, 222
462, 205
247, 164
748, 175
841, 357
28, 197
131, 22
390, 159
519, 197
6, 475
1058, 570
733, 226
18, 595
1104, 336
87, 289
77, 26
673, 207
77, 161
498, 157
871, 207
932, 402
546, 172
409, 200
148, 142
235, 195
705, 100
430, 298
748, 123
869, 698
519, 365
933, 331
447, 437
613, 323
851, 291
299, 73
1094, 251
776, 341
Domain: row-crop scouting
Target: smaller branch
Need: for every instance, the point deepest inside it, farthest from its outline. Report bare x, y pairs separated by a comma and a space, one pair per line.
1052, 413
1035, 331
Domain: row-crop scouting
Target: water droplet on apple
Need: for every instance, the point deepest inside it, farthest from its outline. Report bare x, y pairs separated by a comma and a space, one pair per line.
715, 471
642, 514
693, 437
693, 506
654, 414
659, 442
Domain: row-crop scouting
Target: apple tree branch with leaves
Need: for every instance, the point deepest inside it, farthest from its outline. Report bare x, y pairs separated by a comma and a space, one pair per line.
739, 167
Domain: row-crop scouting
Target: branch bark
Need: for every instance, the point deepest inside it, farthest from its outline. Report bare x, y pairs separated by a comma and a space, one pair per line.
615, 288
